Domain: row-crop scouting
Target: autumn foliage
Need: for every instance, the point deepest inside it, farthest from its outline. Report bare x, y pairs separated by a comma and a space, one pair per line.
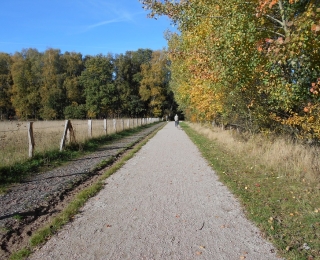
254, 64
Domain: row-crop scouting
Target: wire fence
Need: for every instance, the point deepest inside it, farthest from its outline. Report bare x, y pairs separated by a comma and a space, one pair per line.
47, 135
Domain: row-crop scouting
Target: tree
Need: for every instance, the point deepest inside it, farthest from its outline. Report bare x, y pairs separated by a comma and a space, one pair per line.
53, 93
26, 73
127, 78
99, 90
292, 44
154, 83
123, 80
73, 65
5, 85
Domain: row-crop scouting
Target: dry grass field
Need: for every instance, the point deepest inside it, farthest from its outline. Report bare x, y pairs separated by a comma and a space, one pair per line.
14, 142
280, 155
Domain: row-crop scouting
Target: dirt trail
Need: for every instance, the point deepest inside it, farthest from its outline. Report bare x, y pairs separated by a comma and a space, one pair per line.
165, 203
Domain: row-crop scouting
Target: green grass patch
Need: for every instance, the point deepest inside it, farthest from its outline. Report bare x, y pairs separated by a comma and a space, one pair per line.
18, 217
22, 254
44, 233
286, 211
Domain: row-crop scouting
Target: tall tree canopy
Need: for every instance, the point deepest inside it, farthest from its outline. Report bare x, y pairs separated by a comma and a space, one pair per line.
53, 92
99, 89
27, 81
154, 83
5, 84
250, 63
128, 78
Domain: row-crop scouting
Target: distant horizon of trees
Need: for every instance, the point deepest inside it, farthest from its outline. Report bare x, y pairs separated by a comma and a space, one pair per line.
53, 85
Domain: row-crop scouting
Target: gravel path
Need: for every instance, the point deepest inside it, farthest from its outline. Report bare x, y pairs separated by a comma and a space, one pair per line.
34, 193
165, 203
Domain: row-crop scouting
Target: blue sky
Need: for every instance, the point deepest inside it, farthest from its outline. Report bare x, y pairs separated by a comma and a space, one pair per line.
87, 26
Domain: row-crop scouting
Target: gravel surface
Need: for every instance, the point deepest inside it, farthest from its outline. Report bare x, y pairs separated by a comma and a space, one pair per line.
41, 193
165, 203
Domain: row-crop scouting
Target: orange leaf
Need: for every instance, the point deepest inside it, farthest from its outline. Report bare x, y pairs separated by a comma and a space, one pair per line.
315, 27
280, 40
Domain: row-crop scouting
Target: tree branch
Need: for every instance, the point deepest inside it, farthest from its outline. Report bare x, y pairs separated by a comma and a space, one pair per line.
285, 28
274, 19
264, 29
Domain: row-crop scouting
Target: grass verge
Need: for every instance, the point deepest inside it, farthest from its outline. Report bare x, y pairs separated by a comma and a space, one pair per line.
44, 233
45, 161
286, 210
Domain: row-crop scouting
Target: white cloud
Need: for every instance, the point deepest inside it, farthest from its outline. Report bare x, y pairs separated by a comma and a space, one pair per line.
108, 12
117, 20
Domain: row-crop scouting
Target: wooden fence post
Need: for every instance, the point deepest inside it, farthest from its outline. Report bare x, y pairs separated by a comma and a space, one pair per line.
114, 125
68, 130
31, 139
90, 128
105, 126
128, 123
122, 122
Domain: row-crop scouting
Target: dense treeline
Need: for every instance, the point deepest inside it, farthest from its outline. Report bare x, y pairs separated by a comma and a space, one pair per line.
52, 85
255, 63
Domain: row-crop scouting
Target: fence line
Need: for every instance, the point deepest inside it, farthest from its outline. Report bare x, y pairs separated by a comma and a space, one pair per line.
69, 133
16, 146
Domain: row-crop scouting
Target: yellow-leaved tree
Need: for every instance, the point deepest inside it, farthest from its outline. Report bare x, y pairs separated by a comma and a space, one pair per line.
154, 83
